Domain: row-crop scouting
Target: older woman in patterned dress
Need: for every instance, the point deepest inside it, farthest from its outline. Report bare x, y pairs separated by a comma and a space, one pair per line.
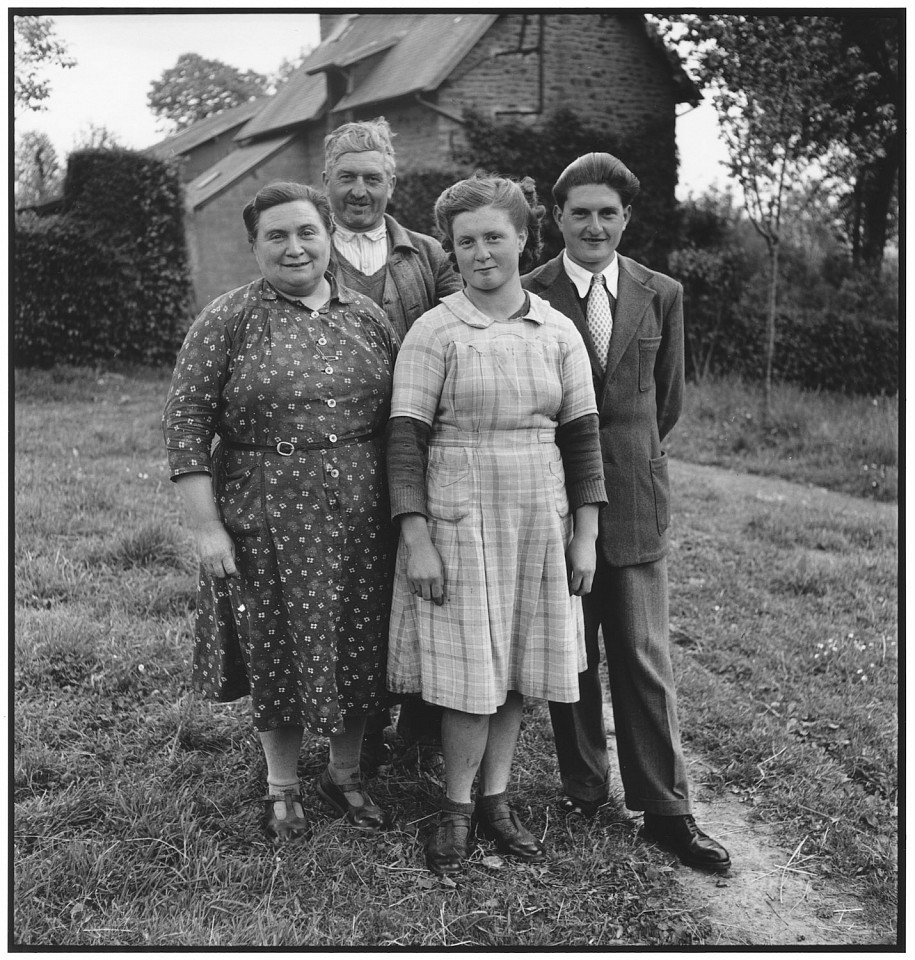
496, 477
293, 374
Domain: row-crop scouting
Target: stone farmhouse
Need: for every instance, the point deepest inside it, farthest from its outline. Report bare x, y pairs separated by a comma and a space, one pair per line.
421, 71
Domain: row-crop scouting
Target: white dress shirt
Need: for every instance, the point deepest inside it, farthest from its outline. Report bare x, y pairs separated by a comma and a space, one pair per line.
367, 252
582, 278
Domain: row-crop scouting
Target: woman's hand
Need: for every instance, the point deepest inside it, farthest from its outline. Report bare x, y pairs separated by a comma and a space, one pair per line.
581, 553
425, 572
581, 560
215, 549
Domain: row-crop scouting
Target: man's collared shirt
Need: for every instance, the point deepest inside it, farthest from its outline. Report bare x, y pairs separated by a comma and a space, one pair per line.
367, 252
582, 278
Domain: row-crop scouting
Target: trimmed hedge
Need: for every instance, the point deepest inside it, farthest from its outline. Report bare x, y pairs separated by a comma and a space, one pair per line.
107, 279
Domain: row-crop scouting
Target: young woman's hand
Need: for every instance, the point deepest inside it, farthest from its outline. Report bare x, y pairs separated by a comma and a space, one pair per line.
581, 560
425, 572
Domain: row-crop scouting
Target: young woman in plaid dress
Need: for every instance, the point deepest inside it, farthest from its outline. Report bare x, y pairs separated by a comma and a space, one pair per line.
496, 478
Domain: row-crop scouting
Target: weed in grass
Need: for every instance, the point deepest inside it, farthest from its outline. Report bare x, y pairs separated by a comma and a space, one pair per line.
151, 544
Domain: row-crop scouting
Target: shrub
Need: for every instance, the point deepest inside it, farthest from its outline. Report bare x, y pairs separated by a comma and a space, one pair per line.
108, 277
834, 331
516, 149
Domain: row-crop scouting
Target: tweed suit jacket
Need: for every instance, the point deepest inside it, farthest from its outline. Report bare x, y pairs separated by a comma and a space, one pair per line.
639, 399
419, 275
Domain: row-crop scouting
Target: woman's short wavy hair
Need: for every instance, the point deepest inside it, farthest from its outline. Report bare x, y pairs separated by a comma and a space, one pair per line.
285, 191
518, 198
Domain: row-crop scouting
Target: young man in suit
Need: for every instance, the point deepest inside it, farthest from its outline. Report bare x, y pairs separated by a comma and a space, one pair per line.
631, 319
405, 273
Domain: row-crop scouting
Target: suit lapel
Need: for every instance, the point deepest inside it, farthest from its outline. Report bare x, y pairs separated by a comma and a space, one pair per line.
632, 300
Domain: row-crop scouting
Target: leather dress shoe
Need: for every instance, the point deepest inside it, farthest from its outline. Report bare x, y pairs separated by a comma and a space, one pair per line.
693, 846
496, 821
448, 846
289, 828
367, 816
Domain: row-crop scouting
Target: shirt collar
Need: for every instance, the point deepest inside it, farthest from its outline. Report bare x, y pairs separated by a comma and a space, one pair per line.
582, 278
348, 236
342, 294
459, 304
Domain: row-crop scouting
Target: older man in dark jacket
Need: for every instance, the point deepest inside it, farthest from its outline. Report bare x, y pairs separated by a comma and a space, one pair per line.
405, 273
631, 319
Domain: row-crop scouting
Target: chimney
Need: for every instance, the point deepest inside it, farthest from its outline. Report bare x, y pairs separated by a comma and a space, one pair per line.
333, 23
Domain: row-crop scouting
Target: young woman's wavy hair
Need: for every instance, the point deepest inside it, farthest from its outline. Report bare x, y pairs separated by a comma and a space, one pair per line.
518, 198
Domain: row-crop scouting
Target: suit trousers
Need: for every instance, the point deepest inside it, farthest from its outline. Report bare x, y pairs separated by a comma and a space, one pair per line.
630, 606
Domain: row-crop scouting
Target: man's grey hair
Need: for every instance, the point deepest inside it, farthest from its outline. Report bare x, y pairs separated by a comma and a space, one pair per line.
358, 137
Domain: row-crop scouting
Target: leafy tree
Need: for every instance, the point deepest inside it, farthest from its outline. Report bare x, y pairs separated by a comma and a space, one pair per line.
287, 68
196, 88
513, 148
854, 101
38, 173
35, 47
771, 80
97, 137
869, 90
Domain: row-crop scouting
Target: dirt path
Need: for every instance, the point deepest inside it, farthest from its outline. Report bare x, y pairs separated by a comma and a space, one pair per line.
771, 896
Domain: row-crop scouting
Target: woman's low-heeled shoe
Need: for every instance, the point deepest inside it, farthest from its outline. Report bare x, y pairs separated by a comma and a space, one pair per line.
368, 817
292, 826
496, 821
447, 847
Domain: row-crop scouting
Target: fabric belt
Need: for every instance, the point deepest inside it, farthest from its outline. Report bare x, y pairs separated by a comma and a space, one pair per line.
285, 448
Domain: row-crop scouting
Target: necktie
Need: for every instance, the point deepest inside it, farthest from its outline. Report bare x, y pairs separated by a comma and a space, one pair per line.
600, 320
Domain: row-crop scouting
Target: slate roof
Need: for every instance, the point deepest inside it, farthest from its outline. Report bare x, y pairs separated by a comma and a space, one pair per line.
418, 52
203, 130
300, 99
223, 174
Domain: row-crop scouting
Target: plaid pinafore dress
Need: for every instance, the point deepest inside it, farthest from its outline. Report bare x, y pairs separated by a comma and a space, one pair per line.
493, 392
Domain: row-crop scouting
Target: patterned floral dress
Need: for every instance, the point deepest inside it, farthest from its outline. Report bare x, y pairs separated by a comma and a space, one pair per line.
303, 627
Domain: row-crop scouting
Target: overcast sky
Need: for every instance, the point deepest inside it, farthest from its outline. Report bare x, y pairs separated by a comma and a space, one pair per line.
119, 55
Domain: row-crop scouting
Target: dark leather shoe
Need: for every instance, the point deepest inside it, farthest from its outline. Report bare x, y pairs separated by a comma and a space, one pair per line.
496, 821
367, 817
681, 835
292, 825
447, 848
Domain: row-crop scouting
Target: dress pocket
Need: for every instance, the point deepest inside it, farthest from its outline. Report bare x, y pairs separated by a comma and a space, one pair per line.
448, 484
558, 482
661, 484
648, 352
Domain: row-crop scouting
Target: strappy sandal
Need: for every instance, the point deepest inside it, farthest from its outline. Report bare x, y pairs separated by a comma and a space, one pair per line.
497, 821
447, 848
367, 817
289, 828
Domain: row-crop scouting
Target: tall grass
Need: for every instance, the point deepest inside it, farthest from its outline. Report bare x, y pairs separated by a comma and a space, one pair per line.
135, 803
841, 443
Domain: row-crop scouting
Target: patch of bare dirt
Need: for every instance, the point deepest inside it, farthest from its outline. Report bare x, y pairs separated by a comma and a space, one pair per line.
771, 896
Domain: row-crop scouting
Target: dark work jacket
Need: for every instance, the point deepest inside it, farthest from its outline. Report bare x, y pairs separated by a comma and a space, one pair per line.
639, 399
419, 274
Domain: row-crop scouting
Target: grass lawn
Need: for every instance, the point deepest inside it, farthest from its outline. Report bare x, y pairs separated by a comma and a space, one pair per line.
135, 815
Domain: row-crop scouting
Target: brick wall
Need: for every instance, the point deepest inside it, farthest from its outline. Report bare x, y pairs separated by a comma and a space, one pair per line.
220, 255
603, 66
